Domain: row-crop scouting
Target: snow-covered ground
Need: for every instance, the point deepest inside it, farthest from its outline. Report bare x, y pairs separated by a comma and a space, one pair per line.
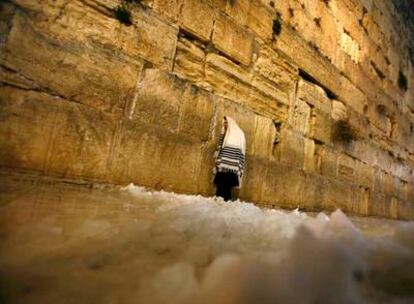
158, 247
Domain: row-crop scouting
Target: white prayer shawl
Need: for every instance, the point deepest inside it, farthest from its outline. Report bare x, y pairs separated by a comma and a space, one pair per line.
231, 150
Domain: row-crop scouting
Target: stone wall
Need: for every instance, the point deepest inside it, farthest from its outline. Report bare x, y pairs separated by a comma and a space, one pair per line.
85, 97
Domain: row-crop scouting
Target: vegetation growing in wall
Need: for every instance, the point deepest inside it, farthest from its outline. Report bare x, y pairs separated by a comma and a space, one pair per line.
343, 132
402, 81
123, 15
277, 26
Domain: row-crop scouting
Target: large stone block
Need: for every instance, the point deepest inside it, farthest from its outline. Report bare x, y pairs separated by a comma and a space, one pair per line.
158, 99
148, 155
312, 191
56, 137
347, 168
283, 185
309, 161
252, 14
254, 179
380, 204
27, 121
233, 82
197, 17
275, 67
260, 19
292, 148
233, 40
326, 161
339, 111
314, 95
189, 60
366, 175
68, 69
196, 113
81, 143
300, 117
264, 136
320, 126
262, 86
361, 203
338, 195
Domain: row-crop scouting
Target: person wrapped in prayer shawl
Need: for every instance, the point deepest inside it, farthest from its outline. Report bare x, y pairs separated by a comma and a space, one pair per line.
230, 159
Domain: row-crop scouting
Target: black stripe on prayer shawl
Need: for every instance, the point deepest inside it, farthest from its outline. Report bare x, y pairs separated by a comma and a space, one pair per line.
229, 159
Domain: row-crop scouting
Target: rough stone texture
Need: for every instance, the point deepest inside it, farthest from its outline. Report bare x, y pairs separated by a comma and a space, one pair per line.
233, 40
85, 97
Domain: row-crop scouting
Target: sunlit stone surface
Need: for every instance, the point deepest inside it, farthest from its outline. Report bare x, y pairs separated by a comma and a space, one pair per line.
87, 97
64, 243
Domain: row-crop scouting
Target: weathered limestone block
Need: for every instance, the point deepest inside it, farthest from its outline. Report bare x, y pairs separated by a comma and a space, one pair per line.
283, 185
366, 175
364, 151
362, 200
233, 82
27, 121
410, 191
169, 8
233, 40
314, 96
196, 113
189, 60
264, 136
48, 134
309, 149
405, 210
81, 142
260, 19
205, 185
265, 87
300, 117
352, 95
321, 69
371, 25
197, 17
384, 183
149, 37
307, 58
325, 161
320, 126
380, 204
347, 168
149, 155
360, 125
338, 194
70, 71
275, 67
329, 45
255, 174
239, 11
312, 191
384, 160
292, 148
347, 18
158, 99
339, 111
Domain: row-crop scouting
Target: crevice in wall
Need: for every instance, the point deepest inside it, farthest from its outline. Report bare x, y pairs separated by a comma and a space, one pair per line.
276, 141
306, 76
377, 70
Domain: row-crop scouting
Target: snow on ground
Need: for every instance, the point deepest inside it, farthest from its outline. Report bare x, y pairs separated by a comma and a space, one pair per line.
191, 249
